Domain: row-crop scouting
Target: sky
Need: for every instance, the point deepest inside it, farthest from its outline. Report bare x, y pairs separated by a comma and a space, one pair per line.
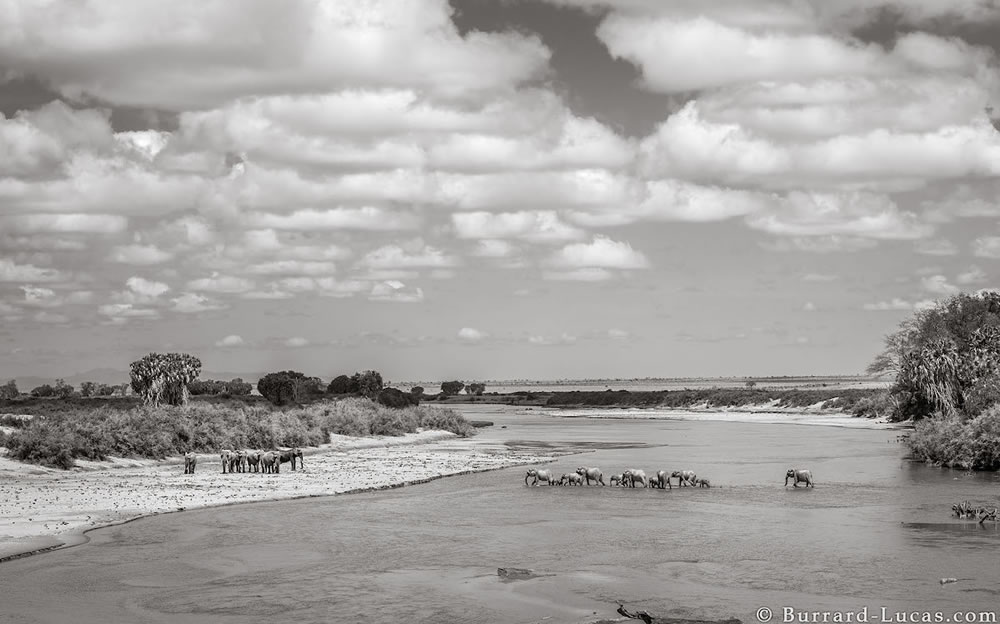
491, 189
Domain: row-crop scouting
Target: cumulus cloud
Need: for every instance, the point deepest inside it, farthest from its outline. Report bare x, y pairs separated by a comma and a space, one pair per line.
561, 339
193, 303
538, 226
601, 253
296, 342
415, 257
233, 340
395, 291
222, 284
471, 335
10, 271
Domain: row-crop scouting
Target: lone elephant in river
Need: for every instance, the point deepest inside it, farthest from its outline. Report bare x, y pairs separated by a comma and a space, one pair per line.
571, 478
660, 480
799, 476
540, 475
684, 477
633, 476
190, 461
289, 455
591, 474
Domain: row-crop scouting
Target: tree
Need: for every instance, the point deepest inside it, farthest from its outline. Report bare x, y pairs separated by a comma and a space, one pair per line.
946, 358
341, 384
105, 390
417, 391
44, 391
751, 384
238, 387
88, 389
63, 389
391, 397
368, 383
476, 389
159, 378
9, 391
282, 387
450, 388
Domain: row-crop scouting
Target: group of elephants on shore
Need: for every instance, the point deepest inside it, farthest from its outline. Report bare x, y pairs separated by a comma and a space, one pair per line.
634, 476
250, 460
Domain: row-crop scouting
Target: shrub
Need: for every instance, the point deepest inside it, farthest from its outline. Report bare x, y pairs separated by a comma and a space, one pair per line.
164, 378
450, 388
88, 389
391, 397
368, 383
9, 391
341, 384
238, 387
44, 390
417, 391
476, 389
281, 388
949, 440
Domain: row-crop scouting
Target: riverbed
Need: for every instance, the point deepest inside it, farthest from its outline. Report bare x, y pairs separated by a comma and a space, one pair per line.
876, 531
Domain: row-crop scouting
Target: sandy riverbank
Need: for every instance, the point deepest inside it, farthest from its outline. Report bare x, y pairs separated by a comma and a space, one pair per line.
43, 508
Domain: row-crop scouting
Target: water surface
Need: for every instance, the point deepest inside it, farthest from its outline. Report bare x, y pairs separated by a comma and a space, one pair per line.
876, 531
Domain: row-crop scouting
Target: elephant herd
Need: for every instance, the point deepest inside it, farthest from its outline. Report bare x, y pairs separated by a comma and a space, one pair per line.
250, 461
634, 477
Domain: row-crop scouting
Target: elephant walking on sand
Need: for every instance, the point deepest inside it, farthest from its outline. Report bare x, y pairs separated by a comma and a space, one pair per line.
270, 462
540, 475
684, 477
289, 455
253, 461
804, 476
228, 459
591, 474
633, 476
703, 482
571, 478
190, 461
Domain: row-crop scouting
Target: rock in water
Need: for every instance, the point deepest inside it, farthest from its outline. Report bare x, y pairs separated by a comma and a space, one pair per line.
945, 581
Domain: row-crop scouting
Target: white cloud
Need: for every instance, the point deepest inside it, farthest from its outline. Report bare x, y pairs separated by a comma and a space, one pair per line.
471, 335
820, 244
416, 256
233, 340
601, 252
140, 255
296, 342
222, 284
396, 292
488, 248
537, 226
579, 275
146, 289
938, 285
10, 271
974, 275
562, 339
193, 303
368, 218
894, 304
61, 223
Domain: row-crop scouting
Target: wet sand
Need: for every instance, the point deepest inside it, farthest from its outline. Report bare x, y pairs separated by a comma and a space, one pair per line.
44, 508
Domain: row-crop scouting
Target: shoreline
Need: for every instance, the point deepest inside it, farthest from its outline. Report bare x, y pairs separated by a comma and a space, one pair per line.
62, 507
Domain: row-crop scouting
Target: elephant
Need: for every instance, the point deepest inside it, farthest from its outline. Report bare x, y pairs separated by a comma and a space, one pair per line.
289, 455
589, 474
571, 478
684, 477
227, 458
703, 482
190, 461
540, 475
661, 480
615, 480
799, 475
253, 461
270, 462
632, 475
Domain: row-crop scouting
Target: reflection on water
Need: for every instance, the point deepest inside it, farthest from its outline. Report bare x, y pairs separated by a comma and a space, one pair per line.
875, 531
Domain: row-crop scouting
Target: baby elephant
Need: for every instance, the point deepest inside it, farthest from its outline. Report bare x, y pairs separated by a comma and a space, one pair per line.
615, 480
571, 478
803, 476
190, 461
702, 482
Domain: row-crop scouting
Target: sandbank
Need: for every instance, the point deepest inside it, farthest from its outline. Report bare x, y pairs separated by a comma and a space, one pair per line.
44, 508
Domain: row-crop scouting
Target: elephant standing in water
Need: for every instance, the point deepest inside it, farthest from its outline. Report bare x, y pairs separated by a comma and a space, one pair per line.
289, 455
591, 474
253, 461
661, 480
270, 462
190, 461
805, 476
571, 478
540, 475
633, 475
684, 477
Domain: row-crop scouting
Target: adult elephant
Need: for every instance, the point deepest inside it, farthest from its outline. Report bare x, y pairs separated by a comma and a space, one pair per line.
228, 458
803, 476
634, 475
190, 461
591, 474
684, 477
239, 462
289, 455
270, 462
539, 475
615, 480
661, 480
253, 461
571, 478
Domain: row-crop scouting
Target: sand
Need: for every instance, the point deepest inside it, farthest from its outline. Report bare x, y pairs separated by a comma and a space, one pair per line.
43, 508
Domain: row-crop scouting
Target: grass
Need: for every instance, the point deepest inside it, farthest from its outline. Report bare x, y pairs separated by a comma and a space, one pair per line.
57, 438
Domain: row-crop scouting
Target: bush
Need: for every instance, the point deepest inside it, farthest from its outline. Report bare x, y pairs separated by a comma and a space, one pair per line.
476, 389
951, 441
43, 391
341, 384
88, 389
450, 388
417, 391
238, 387
368, 383
391, 397
9, 391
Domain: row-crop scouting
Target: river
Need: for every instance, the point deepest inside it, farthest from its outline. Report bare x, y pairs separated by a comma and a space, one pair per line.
876, 531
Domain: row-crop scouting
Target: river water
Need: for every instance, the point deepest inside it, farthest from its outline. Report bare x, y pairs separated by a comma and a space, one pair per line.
875, 532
